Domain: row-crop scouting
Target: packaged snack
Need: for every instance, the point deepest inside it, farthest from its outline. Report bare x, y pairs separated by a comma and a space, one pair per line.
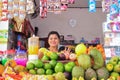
105, 5
16, 13
4, 16
4, 6
4, 1
10, 0
22, 3
22, 14
92, 6
15, 5
30, 7
10, 14
10, 6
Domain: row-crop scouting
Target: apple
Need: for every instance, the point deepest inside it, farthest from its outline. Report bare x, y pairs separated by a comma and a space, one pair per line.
114, 60
45, 58
117, 68
59, 67
40, 71
38, 63
30, 65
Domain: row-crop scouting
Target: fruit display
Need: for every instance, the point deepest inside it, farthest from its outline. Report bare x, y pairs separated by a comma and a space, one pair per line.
113, 66
88, 64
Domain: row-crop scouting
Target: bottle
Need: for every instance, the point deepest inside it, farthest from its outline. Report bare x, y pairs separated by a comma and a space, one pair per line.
33, 47
7, 55
21, 57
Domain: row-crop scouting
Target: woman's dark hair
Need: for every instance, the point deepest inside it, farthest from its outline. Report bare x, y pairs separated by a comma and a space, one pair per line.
54, 32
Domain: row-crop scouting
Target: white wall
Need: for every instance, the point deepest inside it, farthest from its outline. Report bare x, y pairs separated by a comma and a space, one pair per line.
89, 25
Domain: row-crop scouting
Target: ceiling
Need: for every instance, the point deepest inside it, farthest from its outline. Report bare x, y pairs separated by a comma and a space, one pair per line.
84, 4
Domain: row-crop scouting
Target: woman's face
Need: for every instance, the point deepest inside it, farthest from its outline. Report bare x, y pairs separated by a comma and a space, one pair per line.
53, 40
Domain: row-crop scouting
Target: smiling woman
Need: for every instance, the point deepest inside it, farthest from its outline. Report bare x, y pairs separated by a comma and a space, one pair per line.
53, 41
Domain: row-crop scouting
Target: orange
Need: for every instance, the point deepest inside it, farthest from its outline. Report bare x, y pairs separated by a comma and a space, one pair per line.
12, 63
2, 68
99, 46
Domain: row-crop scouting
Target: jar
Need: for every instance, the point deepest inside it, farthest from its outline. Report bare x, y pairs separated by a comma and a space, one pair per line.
33, 48
7, 55
21, 57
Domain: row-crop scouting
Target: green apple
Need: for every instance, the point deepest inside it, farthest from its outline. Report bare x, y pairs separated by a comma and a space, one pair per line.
38, 63
30, 65
45, 58
49, 72
59, 67
118, 62
114, 60
68, 68
117, 68
53, 63
40, 71
47, 66
71, 64
32, 71
53, 56
114, 74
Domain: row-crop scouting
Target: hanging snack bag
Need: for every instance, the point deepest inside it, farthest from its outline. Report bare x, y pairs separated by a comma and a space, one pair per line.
22, 10
4, 5
22, 5
114, 10
4, 10
92, 6
4, 1
16, 4
22, 14
30, 7
10, 15
10, 6
105, 5
10, 10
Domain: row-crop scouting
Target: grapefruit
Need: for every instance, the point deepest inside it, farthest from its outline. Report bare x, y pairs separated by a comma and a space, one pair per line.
80, 49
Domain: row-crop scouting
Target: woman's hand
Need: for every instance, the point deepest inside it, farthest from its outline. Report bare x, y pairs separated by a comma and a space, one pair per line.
40, 55
67, 52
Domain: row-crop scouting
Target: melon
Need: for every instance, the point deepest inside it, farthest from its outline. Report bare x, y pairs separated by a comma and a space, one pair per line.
84, 61
78, 71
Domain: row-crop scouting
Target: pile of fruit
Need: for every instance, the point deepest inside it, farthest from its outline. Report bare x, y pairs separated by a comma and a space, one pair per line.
84, 64
113, 66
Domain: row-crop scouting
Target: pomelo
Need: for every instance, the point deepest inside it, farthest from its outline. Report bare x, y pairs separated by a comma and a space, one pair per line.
80, 49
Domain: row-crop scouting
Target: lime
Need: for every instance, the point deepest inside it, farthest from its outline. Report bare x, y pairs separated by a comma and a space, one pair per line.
30, 65
40, 71
49, 71
47, 66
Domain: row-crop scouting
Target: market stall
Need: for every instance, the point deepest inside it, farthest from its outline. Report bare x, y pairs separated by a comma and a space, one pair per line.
20, 46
